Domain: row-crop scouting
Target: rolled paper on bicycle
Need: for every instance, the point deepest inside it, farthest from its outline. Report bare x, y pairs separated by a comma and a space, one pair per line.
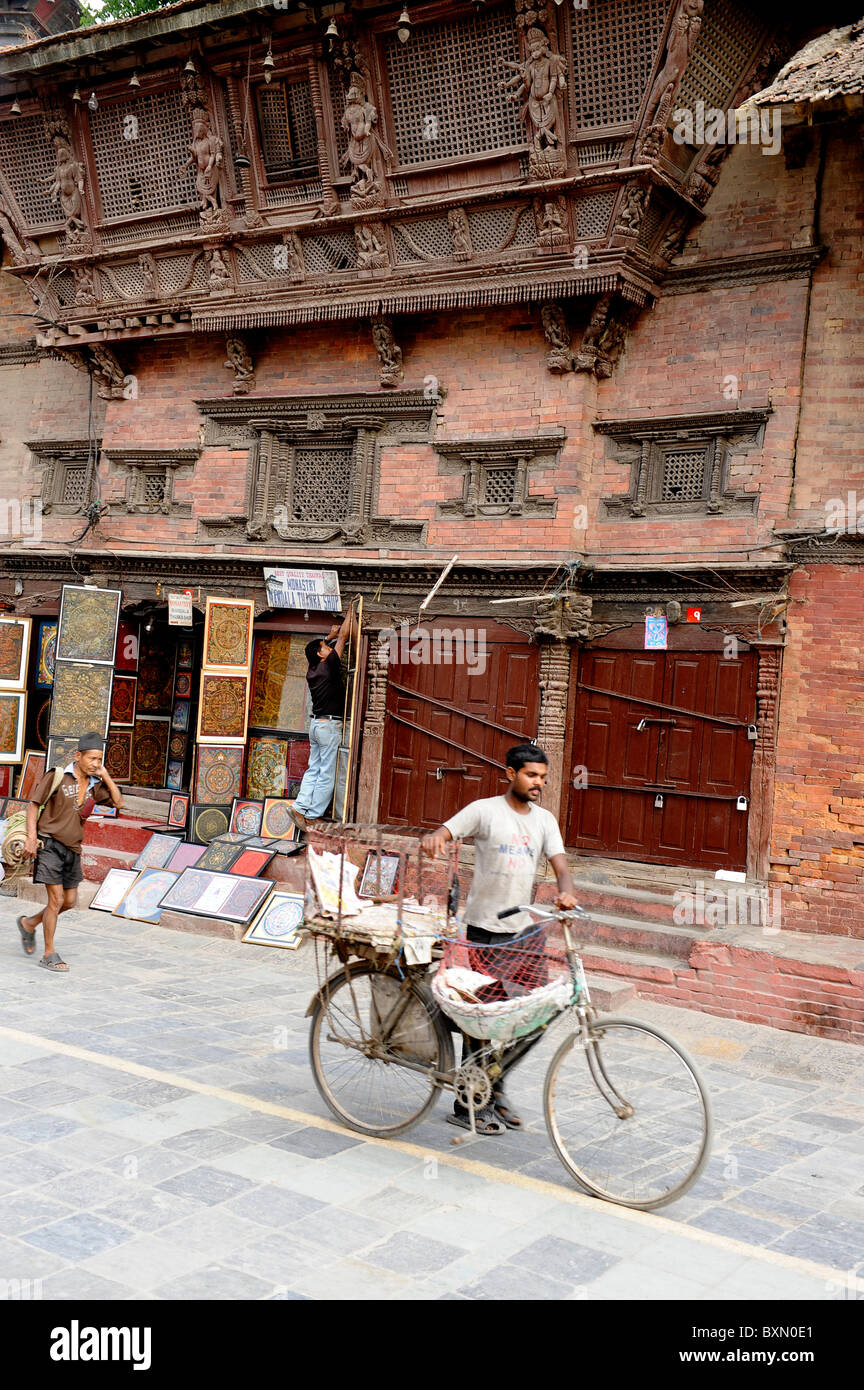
508, 912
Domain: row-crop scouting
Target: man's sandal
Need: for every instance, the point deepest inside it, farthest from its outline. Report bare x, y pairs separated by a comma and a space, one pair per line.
28, 938
505, 1113
485, 1121
54, 963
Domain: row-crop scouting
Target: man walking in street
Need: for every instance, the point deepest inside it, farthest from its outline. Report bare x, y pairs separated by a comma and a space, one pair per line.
510, 832
327, 689
65, 805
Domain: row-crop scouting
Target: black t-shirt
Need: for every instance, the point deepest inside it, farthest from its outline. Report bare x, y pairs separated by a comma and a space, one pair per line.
327, 687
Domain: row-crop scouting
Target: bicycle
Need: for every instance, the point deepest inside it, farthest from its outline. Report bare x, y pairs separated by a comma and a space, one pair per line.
626, 1110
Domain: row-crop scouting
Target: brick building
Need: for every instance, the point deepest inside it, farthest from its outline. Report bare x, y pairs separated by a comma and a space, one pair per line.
405, 311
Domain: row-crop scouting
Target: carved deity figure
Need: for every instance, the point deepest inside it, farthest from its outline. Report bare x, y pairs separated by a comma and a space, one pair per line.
371, 253
682, 41
147, 267
389, 353
241, 364
552, 235
107, 373
22, 249
560, 357
460, 234
67, 184
294, 255
633, 210
364, 142
540, 81
205, 153
219, 277
85, 294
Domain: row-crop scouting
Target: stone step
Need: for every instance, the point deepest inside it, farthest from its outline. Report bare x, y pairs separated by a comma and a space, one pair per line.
30, 892
126, 833
601, 928
705, 903
631, 964
96, 861
609, 993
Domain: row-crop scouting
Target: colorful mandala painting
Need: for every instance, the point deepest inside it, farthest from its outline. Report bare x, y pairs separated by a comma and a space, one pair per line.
150, 752
177, 746
218, 774
246, 817
14, 647
157, 852
155, 676
222, 713
47, 647
278, 686
206, 822
178, 812
266, 770
183, 685
142, 900
219, 856
88, 624
278, 922
276, 823
118, 754
228, 633
82, 698
184, 856
123, 700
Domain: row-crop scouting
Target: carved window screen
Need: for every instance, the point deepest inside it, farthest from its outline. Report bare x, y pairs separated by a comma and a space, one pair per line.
321, 484
683, 476
74, 484
446, 82
499, 486
327, 255
423, 239
144, 174
593, 214
155, 486
614, 47
286, 119
726, 42
498, 228
27, 159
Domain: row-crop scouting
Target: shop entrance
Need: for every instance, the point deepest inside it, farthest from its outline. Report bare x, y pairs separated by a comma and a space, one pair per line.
661, 755
448, 724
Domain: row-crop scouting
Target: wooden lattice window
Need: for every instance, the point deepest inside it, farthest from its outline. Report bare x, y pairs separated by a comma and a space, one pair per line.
73, 487
321, 484
445, 91
139, 161
499, 486
726, 43
614, 47
27, 159
682, 477
67, 470
286, 121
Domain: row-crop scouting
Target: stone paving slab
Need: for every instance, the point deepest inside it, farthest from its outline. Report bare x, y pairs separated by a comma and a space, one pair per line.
120, 1185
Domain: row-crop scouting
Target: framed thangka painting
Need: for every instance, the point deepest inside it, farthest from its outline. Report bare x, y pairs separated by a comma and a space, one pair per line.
14, 651
13, 711
184, 654
118, 754
206, 822
155, 675
178, 812
46, 643
31, 773
81, 702
246, 816
222, 711
123, 696
61, 751
88, 624
218, 774
228, 634
141, 901
183, 685
180, 717
278, 698
150, 751
267, 768
174, 775
278, 923
127, 645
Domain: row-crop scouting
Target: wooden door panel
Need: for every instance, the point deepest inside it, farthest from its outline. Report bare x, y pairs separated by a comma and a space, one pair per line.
693, 757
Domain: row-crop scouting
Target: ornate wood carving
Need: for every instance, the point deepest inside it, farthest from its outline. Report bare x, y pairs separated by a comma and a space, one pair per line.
205, 152
219, 276
390, 369
560, 357
366, 149
605, 337
496, 476
371, 247
551, 217
460, 234
66, 184
683, 34
150, 478
240, 362
539, 82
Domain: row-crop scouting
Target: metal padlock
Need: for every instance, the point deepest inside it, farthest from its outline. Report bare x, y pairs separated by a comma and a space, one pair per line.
658, 802
752, 732
742, 803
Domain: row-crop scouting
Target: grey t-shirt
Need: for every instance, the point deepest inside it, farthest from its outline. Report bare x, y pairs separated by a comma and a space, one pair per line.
507, 848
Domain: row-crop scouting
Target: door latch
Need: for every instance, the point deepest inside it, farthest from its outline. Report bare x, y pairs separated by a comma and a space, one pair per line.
643, 723
439, 771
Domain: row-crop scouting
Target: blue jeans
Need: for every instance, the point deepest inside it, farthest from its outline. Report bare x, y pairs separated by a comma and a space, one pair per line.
319, 779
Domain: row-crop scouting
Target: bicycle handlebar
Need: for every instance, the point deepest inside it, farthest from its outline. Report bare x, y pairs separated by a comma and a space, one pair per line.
542, 912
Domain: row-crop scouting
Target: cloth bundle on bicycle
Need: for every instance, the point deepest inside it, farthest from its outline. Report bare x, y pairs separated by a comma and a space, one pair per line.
502, 992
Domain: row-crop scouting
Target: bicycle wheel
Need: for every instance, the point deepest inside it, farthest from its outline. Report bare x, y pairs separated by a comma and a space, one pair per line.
628, 1113
375, 1044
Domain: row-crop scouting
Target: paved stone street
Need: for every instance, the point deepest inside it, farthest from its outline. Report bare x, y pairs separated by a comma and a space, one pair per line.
191, 1157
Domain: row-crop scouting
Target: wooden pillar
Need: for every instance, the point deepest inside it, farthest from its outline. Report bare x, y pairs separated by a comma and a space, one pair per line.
762, 775
369, 778
554, 686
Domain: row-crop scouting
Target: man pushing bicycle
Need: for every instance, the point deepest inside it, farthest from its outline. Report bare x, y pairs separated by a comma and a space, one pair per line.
510, 833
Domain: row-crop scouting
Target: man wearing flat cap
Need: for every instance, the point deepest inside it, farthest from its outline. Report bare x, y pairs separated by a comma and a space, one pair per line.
66, 802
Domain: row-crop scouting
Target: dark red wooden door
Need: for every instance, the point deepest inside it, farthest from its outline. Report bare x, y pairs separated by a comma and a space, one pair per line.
643, 747
447, 730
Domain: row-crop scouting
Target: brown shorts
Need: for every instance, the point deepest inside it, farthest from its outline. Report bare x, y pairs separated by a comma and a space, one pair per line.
56, 863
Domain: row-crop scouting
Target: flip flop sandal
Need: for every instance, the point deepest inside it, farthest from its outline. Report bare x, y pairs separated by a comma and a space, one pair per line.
506, 1114
485, 1121
28, 938
55, 964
